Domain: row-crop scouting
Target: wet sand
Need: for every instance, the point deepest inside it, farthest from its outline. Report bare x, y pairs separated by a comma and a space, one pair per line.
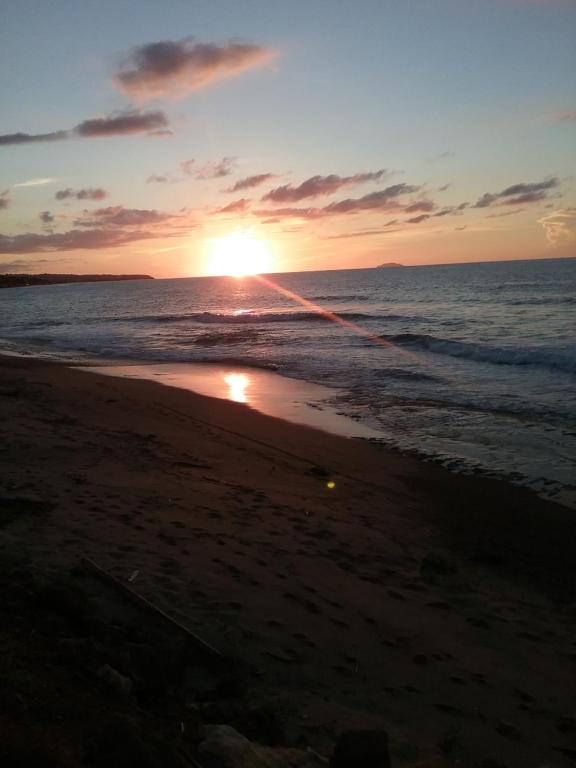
294, 400
360, 587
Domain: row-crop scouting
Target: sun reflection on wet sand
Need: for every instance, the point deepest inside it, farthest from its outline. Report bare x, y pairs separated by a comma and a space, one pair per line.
237, 384
265, 391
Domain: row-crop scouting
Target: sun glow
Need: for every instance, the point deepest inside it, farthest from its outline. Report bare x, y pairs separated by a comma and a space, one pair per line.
239, 255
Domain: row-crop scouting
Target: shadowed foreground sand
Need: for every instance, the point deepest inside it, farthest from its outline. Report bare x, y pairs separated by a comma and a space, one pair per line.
439, 607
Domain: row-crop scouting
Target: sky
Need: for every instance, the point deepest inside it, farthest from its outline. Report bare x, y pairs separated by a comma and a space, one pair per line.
138, 136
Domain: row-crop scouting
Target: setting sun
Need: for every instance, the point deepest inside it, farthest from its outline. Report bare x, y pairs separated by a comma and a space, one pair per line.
238, 255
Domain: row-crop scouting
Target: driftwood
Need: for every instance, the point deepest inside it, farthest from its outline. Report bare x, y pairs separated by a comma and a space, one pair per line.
143, 602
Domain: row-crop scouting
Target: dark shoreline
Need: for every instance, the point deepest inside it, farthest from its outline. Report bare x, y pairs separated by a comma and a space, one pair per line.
28, 281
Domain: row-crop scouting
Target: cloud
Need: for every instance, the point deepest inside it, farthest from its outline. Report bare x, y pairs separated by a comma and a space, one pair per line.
449, 210
441, 156
29, 138
124, 124
27, 264
73, 240
421, 205
176, 68
452, 210
362, 233
46, 217
109, 227
156, 179
565, 117
383, 200
216, 170
252, 181
238, 206
186, 167
560, 226
505, 213
317, 186
4, 200
35, 183
527, 197
118, 216
519, 194
90, 193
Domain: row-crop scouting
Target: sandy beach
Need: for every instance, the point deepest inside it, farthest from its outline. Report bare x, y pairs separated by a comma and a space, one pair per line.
359, 587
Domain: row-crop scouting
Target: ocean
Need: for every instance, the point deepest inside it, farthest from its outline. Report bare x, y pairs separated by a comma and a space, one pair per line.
470, 365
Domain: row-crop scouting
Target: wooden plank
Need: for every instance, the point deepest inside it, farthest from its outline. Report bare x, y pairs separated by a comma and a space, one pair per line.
143, 602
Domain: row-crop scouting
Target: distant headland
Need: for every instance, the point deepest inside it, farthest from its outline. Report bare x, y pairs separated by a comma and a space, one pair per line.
388, 264
17, 281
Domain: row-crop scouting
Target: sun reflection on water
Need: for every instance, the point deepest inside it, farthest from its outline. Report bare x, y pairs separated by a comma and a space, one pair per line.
237, 384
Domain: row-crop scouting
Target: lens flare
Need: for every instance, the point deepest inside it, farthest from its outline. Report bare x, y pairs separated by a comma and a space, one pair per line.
335, 318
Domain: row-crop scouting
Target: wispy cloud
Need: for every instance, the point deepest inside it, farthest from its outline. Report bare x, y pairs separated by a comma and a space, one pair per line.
237, 206
383, 200
35, 183
216, 170
177, 68
565, 117
186, 167
19, 265
46, 217
519, 194
119, 216
560, 226
29, 138
504, 213
317, 186
90, 193
421, 205
123, 124
252, 181
156, 179
441, 156
4, 200
362, 233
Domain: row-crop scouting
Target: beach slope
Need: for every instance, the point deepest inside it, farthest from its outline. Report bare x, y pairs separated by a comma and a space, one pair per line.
358, 587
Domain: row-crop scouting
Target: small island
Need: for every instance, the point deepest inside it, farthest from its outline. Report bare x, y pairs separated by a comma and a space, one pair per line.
20, 280
388, 264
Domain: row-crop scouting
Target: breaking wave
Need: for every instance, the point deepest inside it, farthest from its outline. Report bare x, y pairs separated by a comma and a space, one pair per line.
245, 318
541, 357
